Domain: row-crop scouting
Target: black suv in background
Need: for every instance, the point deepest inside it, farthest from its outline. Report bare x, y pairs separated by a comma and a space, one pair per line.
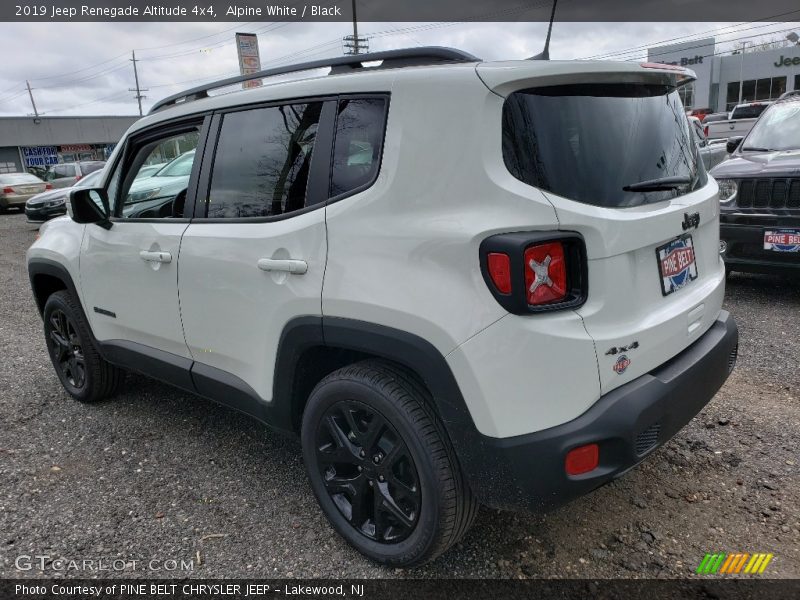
760, 194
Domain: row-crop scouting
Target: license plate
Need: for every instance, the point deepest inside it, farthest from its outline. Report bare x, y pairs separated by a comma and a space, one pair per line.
676, 264
782, 240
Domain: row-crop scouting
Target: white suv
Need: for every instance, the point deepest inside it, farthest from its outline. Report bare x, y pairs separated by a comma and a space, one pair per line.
461, 282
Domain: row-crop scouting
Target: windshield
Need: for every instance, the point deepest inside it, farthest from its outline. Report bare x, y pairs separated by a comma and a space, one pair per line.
588, 142
89, 180
180, 167
777, 129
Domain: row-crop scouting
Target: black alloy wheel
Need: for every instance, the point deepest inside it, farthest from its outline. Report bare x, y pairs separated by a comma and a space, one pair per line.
368, 471
381, 464
66, 350
83, 372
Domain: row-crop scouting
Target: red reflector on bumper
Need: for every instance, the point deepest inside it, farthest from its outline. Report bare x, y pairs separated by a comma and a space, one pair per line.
582, 459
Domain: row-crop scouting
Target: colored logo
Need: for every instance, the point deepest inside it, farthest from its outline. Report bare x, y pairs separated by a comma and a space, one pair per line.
623, 362
722, 563
783, 240
677, 262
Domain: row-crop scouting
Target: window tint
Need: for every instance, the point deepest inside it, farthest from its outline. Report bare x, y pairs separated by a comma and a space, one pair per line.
357, 149
156, 197
262, 161
588, 142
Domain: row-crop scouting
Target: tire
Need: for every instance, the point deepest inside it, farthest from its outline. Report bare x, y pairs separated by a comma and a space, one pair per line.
85, 375
429, 506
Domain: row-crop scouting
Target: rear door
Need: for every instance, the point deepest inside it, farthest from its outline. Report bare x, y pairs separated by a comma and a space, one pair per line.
254, 256
618, 163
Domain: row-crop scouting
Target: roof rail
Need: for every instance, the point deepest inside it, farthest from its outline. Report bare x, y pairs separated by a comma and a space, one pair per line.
390, 59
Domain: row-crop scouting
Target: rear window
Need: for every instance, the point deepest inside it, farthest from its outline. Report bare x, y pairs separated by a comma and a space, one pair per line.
12, 178
588, 142
91, 167
748, 112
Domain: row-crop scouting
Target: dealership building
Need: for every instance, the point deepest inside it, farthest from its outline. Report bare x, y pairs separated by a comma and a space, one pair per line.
764, 75
37, 142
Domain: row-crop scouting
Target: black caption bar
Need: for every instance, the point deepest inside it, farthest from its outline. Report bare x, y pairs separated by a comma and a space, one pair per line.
400, 10
126, 589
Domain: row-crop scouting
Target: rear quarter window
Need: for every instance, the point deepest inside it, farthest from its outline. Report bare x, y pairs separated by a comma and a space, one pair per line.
358, 145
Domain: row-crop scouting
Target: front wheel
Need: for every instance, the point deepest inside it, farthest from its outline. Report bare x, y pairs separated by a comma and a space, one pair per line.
382, 467
82, 371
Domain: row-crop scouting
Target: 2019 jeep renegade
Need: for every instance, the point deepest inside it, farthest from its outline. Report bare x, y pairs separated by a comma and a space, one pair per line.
461, 282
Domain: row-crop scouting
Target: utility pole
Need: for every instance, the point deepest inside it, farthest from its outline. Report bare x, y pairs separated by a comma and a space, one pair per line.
355, 29
138, 90
353, 44
30, 93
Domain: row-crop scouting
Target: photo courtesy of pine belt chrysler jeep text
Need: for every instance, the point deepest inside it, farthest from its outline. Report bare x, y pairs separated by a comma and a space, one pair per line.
461, 282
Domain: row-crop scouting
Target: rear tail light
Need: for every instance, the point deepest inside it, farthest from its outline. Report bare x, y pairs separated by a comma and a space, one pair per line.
8, 190
545, 273
535, 272
582, 459
705, 130
48, 186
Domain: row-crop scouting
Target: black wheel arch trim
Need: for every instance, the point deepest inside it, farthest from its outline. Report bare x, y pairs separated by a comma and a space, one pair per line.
51, 268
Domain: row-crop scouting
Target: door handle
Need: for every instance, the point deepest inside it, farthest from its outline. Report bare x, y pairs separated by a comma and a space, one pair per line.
155, 256
288, 265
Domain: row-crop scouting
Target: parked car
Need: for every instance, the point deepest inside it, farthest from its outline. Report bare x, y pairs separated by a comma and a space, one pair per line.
161, 192
53, 203
387, 261
66, 174
149, 170
760, 194
712, 154
16, 188
740, 121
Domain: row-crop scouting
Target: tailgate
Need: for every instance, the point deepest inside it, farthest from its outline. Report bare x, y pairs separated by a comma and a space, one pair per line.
616, 159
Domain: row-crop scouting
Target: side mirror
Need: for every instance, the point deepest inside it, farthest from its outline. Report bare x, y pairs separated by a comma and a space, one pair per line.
89, 205
733, 144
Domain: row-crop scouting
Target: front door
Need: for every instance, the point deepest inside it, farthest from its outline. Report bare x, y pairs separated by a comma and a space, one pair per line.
129, 271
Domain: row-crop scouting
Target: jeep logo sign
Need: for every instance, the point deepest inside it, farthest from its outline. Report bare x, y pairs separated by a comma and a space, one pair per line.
785, 61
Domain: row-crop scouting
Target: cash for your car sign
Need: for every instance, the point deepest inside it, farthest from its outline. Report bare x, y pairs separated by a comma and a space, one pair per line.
249, 58
40, 156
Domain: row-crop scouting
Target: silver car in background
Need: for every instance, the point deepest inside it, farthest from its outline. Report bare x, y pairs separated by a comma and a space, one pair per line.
16, 188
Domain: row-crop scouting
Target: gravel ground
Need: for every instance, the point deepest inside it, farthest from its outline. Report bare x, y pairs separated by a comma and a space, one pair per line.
159, 474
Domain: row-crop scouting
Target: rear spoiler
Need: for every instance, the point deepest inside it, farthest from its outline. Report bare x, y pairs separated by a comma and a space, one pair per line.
506, 77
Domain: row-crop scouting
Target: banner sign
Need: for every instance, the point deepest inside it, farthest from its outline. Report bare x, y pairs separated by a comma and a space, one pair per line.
249, 58
40, 156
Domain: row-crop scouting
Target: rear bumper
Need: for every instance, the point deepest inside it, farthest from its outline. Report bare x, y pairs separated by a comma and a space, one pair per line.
744, 246
527, 471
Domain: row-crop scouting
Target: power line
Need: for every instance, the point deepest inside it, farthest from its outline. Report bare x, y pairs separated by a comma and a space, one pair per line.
694, 36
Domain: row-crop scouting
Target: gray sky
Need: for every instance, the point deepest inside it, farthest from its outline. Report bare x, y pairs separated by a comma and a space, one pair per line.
84, 68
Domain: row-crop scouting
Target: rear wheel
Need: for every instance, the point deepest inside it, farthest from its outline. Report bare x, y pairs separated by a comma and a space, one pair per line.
382, 467
82, 371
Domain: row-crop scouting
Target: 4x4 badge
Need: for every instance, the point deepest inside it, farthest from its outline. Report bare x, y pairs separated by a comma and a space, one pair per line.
619, 349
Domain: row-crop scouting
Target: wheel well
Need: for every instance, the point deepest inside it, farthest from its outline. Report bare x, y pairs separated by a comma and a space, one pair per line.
44, 286
316, 363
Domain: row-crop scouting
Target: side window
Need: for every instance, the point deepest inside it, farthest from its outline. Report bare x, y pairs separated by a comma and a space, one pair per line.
262, 161
162, 193
359, 140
